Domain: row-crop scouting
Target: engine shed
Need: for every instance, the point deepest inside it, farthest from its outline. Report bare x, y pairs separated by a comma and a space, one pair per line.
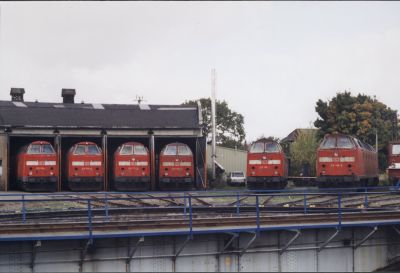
108, 125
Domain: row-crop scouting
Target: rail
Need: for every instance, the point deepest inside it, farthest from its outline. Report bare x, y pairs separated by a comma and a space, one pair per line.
95, 214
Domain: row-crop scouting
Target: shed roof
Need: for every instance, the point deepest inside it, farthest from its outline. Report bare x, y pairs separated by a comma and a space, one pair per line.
295, 133
109, 116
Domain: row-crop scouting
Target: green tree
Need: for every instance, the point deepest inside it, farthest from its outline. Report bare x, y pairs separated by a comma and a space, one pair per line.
229, 124
302, 151
362, 116
269, 138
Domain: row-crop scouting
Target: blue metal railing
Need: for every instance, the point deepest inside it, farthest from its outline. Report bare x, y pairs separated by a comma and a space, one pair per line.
109, 200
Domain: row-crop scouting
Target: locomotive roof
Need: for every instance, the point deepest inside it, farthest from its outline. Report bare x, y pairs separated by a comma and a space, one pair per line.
266, 140
85, 143
107, 116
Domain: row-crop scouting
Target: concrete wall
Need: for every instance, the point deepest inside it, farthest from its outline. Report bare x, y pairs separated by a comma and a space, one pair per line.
230, 159
201, 254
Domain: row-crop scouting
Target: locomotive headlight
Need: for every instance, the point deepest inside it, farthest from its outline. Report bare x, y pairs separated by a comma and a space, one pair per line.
143, 173
276, 172
255, 162
30, 173
187, 174
51, 173
347, 159
325, 159
166, 173
274, 161
75, 174
97, 174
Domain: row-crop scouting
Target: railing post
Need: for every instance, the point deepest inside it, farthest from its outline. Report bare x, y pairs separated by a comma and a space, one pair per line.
258, 214
106, 206
305, 203
23, 209
238, 203
89, 208
366, 198
190, 218
340, 209
184, 203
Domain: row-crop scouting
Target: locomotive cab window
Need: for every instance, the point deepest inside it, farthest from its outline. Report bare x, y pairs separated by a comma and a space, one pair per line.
396, 149
79, 150
183, 150
344, 143
170, 150
47, 149
257, 147
34, 149
329, 143
93, 150
126, 150
140, 150
271, 147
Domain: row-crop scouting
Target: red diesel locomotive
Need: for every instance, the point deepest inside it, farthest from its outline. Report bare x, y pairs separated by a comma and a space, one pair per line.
85, 167
132, 167
267, 167
176, 167
37, 167
345, 161
394, 162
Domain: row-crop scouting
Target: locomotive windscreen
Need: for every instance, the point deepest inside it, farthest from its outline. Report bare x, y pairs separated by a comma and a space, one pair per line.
170, 150
140, 150
271, 147
342, 142
40, 149
329, 143
79, 150
47, 149
268, 147
130, 150
93, 150
126, 150
183, 150
257, 147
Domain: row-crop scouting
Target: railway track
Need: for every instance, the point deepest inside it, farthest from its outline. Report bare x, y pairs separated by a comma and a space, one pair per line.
153, 212
129, 223
150, 204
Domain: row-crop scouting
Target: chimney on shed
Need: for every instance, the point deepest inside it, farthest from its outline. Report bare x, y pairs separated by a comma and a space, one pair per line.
17, 94
68, 95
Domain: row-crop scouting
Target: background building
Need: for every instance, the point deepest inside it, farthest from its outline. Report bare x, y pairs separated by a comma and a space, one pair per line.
230, 159
108, 125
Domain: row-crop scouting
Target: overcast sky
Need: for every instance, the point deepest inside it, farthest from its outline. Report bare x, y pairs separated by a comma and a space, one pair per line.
274, 60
